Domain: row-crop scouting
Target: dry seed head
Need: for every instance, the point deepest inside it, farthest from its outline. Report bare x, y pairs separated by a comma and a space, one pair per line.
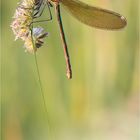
35, 39
23, 19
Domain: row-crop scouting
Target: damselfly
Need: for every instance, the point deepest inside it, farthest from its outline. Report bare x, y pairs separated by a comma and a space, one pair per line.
89, 15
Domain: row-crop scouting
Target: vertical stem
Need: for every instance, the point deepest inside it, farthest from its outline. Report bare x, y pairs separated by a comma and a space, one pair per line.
41, 87
66, 53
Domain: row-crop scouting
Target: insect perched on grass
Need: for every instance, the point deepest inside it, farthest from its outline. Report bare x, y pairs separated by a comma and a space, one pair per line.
89, 15
24, 16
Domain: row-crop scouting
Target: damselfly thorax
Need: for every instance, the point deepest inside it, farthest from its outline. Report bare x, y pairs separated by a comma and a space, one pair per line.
87, 14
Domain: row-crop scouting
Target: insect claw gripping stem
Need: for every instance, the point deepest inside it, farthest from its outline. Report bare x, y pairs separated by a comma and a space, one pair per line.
65, 48
49, 3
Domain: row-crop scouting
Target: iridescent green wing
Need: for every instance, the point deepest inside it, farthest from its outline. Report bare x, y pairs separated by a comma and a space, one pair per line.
93, 16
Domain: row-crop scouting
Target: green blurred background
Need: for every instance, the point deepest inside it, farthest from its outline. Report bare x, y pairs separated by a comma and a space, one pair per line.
99, 103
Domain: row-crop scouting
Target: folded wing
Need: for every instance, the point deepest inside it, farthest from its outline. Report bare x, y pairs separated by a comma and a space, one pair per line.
93, 16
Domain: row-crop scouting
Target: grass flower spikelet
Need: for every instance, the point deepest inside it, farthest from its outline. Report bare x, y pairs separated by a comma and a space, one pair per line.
21, 26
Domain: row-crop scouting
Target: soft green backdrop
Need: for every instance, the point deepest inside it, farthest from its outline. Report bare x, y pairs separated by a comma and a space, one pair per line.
99, 103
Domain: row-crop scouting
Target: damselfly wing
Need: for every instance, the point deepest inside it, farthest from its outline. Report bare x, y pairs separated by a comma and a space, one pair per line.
94, 16
89, 15
29, 10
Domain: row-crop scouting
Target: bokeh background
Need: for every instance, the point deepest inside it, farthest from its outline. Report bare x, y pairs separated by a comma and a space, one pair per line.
99, 103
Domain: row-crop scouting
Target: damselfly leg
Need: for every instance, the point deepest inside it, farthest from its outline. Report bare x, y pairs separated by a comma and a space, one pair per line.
39, 13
